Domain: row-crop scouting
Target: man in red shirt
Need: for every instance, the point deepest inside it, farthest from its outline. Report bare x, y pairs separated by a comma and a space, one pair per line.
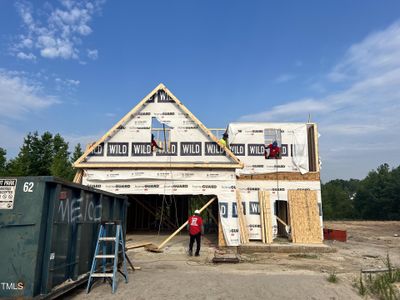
274, 151
195, 224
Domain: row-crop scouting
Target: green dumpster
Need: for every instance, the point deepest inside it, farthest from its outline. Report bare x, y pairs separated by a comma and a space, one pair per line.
48, 233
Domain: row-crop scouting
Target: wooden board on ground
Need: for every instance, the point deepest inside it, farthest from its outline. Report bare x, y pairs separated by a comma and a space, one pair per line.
137, 245
304, 217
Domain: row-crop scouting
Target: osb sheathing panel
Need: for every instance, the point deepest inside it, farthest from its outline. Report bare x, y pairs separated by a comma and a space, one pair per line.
304, 217
310, 176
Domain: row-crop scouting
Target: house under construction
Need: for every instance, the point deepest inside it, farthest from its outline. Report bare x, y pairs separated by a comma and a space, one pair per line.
169, 163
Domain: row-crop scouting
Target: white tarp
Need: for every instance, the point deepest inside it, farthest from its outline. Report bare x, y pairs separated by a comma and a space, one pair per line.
278, 191
247, 143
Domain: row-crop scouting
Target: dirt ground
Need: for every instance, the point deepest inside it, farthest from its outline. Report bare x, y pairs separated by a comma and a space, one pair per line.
174, 275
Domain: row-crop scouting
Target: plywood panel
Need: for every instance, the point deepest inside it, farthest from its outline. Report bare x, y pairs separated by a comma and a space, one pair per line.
267, 213
266, 216
304, 217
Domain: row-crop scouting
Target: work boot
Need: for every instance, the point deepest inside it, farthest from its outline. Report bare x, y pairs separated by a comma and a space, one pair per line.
190, 253
197, 254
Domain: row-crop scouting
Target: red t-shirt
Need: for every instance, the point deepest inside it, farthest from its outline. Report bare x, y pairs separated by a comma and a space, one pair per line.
195, 223
273, 151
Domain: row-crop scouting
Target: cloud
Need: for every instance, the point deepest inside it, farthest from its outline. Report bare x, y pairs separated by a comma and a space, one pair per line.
284, 78
92, 54
29, 56
362, 111
20, 95
55, 32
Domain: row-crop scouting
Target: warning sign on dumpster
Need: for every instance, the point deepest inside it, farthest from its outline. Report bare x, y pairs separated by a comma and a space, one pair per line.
7, 193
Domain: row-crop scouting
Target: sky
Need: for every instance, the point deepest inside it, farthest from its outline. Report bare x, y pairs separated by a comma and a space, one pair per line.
76, 67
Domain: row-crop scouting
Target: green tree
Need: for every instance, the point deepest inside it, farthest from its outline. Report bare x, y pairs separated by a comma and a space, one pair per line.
337, 199
77, 153
3, 162
22, 164
60, 163
379, 195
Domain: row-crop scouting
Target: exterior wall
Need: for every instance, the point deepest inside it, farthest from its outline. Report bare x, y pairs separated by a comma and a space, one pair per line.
186, 143
278, 191
221, 183
247, 142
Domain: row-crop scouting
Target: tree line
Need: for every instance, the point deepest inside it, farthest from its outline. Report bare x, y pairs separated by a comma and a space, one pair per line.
376, 197
41, 155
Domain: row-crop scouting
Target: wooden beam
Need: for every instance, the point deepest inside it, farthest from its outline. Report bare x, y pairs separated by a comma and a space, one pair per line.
157, 165
184, 224
78, 176
281, 221
260, 205
119, 123
138, 245
289, 176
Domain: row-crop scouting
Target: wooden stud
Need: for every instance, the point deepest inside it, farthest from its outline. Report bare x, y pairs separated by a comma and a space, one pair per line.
316, 147
221, 237
260, 204
78, 176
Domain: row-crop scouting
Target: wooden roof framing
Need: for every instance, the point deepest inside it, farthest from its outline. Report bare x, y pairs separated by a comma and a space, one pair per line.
81, 163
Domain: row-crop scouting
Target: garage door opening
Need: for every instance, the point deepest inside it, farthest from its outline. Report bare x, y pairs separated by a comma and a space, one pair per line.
163, 214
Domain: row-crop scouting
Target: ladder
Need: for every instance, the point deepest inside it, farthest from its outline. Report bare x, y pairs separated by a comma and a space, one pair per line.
104, 240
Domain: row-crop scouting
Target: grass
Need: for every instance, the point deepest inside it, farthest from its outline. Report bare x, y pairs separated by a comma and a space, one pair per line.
381, 285
332, 278
304, 255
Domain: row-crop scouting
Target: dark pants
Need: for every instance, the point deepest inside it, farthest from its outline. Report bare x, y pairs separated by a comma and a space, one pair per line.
196, 237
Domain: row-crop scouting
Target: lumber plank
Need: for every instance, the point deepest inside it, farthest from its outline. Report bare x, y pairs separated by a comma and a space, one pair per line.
289, 176
260, 203
221, 237
158, 165
244, 233
267, 217
281, 221
119, 123
78, 176
184, 224
137, 245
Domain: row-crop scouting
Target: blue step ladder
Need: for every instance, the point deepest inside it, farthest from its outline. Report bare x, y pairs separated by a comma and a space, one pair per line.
104, 240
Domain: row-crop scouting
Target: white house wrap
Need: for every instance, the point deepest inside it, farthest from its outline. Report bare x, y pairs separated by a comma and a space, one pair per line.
192, 161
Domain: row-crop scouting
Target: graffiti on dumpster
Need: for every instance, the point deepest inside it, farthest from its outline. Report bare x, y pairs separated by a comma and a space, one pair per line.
73, 210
